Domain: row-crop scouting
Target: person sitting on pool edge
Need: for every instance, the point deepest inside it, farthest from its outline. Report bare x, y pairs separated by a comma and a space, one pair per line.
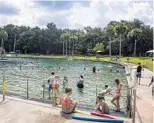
80, 82
102, 106
68, 106
103, 92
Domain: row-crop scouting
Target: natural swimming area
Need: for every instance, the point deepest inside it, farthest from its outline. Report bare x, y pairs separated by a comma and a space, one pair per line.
38, 71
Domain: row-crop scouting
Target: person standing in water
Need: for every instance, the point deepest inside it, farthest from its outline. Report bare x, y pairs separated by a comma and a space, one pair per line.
65, 81
50, 82
94, 69
117, 94
138, 73
98, 72
80, 82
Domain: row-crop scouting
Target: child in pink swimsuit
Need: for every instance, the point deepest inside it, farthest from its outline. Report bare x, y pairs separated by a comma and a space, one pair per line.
117, 94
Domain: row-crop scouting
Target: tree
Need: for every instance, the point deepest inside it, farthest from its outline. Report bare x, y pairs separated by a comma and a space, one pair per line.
99, 47
66, 38
3, 36
109, 31
120, 30
135, 33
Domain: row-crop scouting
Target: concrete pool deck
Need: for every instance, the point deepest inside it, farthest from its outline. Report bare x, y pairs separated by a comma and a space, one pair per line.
16, 110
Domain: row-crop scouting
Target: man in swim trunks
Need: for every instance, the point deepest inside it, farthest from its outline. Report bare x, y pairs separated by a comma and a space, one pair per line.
138, 73
50, 82
152, 81
68, 106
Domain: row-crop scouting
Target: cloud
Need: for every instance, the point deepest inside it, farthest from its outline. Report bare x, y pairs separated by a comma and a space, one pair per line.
74, 14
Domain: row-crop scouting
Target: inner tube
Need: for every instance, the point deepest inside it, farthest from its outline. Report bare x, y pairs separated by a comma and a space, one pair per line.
80, 85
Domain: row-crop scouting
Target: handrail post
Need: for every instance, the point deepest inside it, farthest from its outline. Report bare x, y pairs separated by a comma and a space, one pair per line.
43, 86
134, 106
96, 94
27, 88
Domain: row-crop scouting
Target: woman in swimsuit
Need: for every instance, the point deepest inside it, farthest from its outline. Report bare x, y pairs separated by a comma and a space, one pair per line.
117, 94
68, 106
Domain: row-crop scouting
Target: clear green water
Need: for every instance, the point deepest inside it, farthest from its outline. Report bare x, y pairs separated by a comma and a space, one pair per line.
39, 71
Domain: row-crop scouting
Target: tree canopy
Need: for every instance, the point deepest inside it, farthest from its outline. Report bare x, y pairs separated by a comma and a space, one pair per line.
50, 40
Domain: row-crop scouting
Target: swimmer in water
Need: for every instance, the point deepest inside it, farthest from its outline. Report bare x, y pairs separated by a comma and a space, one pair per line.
94, 69
80, 82
117, 71
110, 69
98, 72
65, 80
103, 92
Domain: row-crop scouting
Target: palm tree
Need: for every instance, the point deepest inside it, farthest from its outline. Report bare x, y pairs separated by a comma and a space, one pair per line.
120, 30
109, 31
135, 33
65, 37
73, 39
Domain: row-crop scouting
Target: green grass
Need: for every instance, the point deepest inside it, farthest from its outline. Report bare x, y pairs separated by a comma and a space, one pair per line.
135, 60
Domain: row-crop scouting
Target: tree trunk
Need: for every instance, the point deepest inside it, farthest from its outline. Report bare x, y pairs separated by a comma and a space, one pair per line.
135, 48
120, 48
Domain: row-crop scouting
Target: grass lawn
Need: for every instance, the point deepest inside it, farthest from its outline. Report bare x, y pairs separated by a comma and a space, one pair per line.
135, 60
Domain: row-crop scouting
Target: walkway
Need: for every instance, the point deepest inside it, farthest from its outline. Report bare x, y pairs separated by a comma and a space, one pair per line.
144, 109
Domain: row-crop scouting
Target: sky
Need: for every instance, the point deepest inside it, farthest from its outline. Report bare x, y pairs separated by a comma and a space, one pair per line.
74, 14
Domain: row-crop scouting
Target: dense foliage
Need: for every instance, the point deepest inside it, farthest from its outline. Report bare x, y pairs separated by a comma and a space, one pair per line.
51, 40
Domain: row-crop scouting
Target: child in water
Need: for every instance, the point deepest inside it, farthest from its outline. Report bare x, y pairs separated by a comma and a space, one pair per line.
55, 88
65, 80
102, 106
103, 92
98, 72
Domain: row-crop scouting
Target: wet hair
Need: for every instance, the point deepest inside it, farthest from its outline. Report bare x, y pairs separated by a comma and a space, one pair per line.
139, 63
106, 86
81, 76
52, 73
68, 89
117, 81
100, 97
